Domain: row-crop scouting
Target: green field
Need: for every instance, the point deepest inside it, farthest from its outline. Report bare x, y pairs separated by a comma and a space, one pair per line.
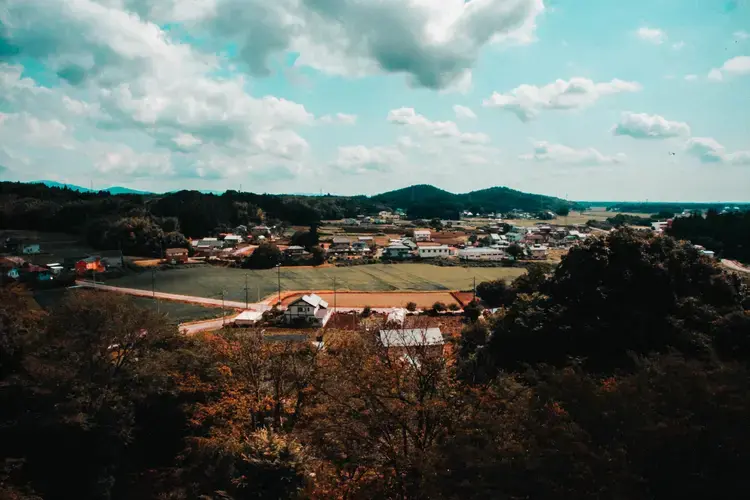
209, 281
174, 312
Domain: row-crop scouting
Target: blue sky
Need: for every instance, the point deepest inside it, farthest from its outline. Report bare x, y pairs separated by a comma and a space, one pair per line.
600, 100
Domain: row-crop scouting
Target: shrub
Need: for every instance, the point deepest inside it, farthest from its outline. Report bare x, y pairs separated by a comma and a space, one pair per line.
366, 312
411, 306
438, 307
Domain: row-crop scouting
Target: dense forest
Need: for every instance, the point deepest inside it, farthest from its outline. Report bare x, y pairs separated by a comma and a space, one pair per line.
144, 224
726, 234
623, 373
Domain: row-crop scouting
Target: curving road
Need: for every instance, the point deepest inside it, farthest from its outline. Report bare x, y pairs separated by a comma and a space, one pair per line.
734, 266
203, 301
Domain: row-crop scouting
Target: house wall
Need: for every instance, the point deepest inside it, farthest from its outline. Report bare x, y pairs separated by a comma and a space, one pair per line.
430, 252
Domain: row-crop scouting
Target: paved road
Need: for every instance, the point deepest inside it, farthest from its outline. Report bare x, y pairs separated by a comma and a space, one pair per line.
209, 325
204, 301
734, 266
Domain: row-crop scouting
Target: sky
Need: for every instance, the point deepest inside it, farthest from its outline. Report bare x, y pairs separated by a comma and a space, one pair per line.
581, 99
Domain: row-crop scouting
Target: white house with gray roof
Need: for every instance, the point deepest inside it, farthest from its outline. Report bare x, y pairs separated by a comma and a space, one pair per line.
310, 309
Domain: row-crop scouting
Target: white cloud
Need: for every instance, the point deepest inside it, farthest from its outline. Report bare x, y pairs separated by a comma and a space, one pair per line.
678, 45
434, 43
125, 161
128, 77
691, 78
340, 118
409, 117
362, 159
558, 153
708, 150
463, 112
715, 75
651, 35
739, 65
741, 35
23, 128
644, 126
527, 101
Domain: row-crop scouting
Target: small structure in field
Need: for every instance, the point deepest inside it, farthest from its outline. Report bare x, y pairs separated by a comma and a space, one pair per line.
411, 341
177, 255
247, 318
308, 309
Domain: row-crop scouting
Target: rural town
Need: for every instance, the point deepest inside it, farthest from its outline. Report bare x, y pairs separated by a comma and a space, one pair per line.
374, 249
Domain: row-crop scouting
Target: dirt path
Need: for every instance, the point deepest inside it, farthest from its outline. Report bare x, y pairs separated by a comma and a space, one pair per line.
734, 266
203, 301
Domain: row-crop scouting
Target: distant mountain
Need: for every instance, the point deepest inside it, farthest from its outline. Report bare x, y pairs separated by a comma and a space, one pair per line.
124, 190
55, 184
426, 201
80, 189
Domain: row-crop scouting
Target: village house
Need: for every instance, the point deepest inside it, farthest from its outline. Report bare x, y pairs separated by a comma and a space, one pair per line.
485, 254
308, 309
232, 240
422, 235
177, 255
431, 252
415, 341
260, 230
294, 251
397, 251
93, 264
538, 251
30, 248
340, 243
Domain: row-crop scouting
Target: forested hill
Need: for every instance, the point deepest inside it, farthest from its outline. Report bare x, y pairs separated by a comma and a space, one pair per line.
27, 205
425, 201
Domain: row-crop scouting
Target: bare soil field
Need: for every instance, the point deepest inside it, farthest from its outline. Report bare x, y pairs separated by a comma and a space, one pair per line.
423, 300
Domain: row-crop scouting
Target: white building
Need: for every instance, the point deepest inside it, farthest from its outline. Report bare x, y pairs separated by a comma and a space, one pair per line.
411, 337
29, 249
481, 254
310, 309
233, 239
422, 234
538, 251
434, 251
247, 318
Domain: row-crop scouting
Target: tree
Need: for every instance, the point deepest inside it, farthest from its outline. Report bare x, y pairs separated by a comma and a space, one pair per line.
495, 293
318, 255
366, 312
453, 306
266, 256
615, 296
95, 372
438, 307
515, 250
473, 310
411, 306
562, 211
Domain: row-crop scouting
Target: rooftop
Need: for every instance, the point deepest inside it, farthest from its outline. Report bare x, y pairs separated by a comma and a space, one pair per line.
411, 337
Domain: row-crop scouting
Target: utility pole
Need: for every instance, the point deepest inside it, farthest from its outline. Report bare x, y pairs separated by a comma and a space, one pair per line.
153, 288
247, 302
278, 269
